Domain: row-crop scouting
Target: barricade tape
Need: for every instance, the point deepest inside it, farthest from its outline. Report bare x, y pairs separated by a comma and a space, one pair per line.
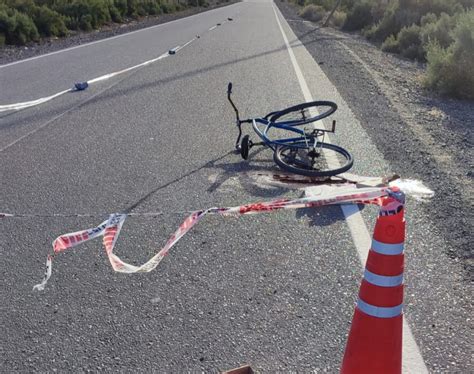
80, 86
280, 179
110, 229
358, 190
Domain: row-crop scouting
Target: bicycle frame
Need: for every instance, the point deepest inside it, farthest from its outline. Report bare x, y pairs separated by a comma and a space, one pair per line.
297, 142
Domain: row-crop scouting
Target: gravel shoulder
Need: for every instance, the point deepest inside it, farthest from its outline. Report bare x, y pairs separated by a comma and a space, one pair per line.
13, 53
423, 136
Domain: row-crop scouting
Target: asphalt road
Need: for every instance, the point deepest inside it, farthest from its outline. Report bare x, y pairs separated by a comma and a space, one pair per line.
276, 290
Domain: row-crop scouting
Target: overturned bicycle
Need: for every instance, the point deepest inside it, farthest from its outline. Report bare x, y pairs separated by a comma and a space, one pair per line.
305, 152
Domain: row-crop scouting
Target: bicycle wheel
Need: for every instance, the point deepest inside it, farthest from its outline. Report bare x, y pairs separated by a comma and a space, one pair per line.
303, 113
245, 147
327, 160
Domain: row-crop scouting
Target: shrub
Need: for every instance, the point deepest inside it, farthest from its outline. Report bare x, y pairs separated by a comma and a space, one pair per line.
326, 4
24, 20
388, 25
99, 11
85, 22
48, 22
358, 17
409, 43
121, 6
17, 27
167, 8
313, 13
115, 14
403, 13
391, 45
440, 30
450, 70
338, 18
25, 29
428, 18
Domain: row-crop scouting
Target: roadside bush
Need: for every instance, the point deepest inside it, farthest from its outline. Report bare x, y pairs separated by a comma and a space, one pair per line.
338, 19
391, 45
359, 17
409, 43
326, 4
403, 13
115, 14
450, 70
85, 22
25, 30
313, 13
86, 14
390, 24
439, 30
168, 8
57, 17
48, 22
121, 6
428, 18
17, 27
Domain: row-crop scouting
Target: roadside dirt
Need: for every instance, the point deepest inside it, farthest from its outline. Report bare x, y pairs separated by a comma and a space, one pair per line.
14, 53
425, 136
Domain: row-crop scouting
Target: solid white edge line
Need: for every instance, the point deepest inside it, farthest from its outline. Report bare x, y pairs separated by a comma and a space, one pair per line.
412, 360
111, 37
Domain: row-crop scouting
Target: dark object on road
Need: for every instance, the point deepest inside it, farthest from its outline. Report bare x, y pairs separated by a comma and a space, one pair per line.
172, 51
229, 19
307, 153
81, 86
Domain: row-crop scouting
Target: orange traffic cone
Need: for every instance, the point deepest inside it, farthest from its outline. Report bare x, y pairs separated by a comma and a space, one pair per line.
375, 340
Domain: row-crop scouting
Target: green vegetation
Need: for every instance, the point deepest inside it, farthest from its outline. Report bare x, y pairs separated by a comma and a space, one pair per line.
23, 21
451, 69
439, 32
313, 12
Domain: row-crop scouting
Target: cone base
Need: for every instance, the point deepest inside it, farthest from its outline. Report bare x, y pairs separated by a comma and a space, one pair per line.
374, 345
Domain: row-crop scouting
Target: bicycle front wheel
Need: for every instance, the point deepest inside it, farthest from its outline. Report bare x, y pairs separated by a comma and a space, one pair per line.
325, 161
303, 113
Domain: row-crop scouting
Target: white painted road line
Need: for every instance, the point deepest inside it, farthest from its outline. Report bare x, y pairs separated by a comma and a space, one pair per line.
412, 360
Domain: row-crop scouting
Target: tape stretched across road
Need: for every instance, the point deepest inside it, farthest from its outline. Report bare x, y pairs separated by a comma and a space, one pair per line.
84, 85
110, 229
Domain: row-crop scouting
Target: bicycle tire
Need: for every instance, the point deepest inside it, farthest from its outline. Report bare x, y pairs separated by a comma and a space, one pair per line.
245, 147
294, 115
298, 167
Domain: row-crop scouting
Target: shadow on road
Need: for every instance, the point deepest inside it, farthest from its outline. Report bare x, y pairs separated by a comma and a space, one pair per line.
244, 173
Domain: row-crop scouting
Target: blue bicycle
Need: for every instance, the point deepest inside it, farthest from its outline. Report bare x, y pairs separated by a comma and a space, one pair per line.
305, 153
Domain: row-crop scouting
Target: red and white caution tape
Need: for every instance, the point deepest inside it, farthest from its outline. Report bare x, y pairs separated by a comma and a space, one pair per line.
110, 229
83, 85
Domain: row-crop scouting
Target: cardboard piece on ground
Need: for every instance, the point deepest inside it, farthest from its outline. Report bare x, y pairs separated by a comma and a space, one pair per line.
246, 369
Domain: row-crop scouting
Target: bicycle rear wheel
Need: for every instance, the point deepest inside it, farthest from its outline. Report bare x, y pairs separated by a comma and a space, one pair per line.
328, 160
303, 113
